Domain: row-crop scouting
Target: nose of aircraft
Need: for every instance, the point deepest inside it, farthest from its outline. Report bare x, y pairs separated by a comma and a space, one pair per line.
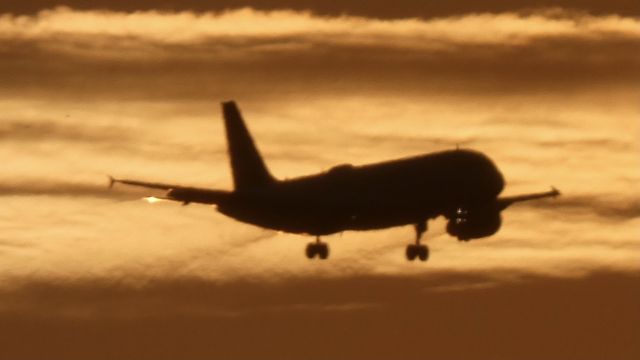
483, 173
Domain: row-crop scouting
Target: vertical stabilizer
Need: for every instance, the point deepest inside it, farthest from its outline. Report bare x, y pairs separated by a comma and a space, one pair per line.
249, 170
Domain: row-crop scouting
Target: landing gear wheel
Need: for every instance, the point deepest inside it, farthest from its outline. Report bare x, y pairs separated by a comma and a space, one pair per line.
311, 250
417, 250
412, 252
323, 251
317, 248
423, 252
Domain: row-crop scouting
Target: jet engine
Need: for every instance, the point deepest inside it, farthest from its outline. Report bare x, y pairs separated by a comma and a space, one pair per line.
473, 223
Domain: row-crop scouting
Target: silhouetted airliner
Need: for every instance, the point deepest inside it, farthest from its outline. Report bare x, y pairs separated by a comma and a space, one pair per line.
461, 185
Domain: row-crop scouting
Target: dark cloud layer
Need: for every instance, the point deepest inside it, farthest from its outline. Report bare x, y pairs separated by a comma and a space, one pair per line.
372, 317
545, 66
379, 9
54, 54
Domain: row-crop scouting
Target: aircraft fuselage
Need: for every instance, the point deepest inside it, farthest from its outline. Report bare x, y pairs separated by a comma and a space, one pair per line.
376, 196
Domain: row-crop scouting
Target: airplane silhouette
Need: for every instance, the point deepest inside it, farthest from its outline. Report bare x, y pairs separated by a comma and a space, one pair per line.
461, 185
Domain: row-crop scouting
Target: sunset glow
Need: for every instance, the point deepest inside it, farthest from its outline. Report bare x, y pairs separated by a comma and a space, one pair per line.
549, 94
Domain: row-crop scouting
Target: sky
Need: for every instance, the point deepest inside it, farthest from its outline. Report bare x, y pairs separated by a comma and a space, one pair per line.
549, 91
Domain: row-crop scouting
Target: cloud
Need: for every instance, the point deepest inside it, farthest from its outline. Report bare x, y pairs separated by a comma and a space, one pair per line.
373, 8
369, 317
542, 92
237, 25
90, 55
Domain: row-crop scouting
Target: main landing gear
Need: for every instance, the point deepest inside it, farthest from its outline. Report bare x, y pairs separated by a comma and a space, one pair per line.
417, 250
317, 248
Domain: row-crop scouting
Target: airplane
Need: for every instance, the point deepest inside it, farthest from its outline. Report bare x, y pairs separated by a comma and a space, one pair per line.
462, 185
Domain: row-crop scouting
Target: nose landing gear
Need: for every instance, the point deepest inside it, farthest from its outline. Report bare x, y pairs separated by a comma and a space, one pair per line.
417, 250
317, 248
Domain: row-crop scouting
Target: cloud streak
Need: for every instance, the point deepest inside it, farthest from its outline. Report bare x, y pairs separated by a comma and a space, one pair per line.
509, 29
52, 129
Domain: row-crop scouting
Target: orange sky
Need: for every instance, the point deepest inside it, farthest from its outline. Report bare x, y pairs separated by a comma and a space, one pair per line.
550, 94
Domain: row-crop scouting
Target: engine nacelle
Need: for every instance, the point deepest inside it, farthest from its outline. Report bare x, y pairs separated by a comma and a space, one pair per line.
467, 224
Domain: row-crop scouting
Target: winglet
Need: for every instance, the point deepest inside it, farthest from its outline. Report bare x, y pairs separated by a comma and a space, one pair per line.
111, 181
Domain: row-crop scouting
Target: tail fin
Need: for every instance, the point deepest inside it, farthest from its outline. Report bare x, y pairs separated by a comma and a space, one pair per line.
249, 170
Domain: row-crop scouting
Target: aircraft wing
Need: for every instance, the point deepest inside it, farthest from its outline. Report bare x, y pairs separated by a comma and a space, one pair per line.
149, 185
184, 194
509, 200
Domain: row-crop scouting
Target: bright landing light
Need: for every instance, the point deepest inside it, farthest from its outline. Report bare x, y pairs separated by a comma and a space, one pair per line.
152, 199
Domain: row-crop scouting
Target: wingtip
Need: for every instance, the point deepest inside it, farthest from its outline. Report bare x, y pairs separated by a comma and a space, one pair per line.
112, 181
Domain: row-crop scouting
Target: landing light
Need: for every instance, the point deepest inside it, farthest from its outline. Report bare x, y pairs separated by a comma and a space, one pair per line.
152, 199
